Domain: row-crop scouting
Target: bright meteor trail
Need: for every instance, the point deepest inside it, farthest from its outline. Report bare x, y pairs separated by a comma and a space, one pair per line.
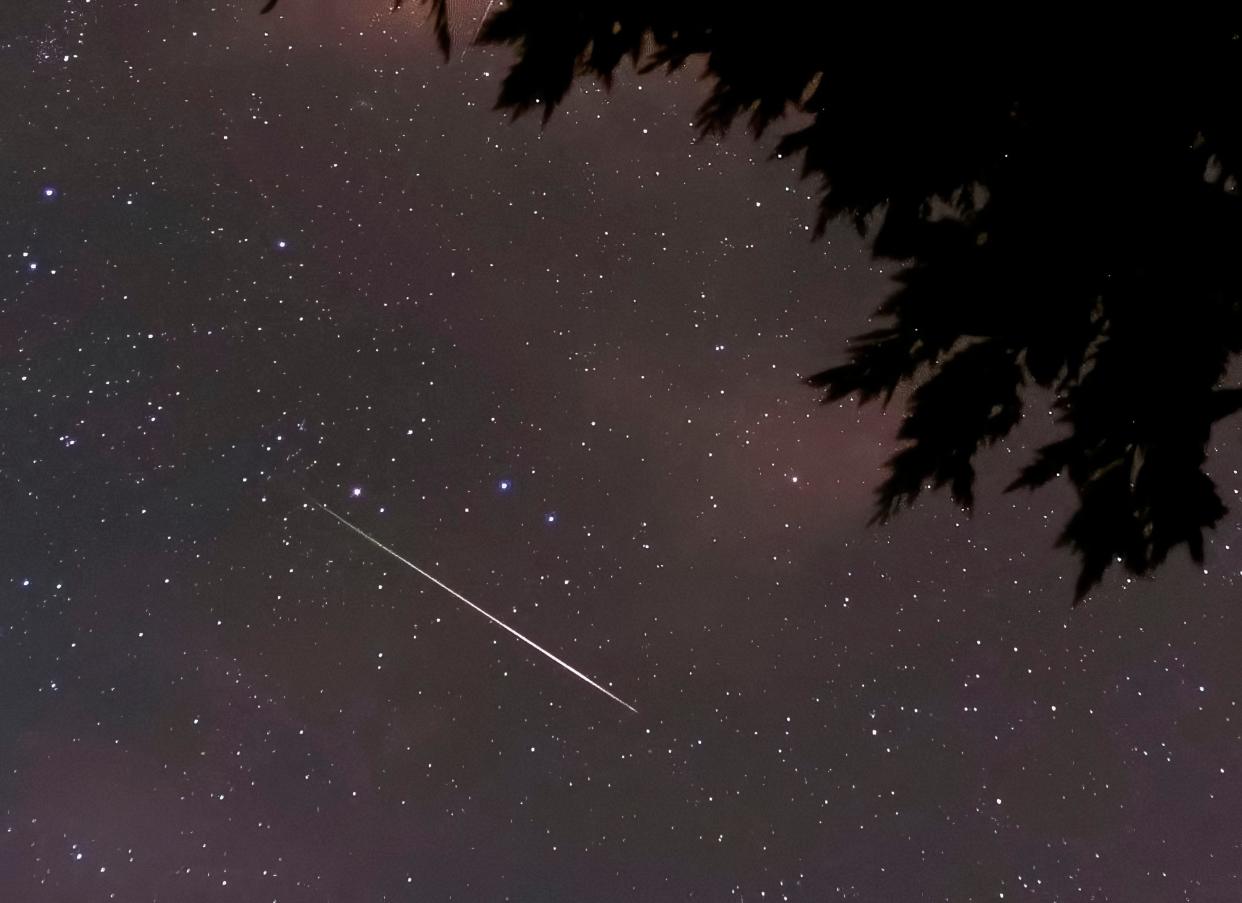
495, 620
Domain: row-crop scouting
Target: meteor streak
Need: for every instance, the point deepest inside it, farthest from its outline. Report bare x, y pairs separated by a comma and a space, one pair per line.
495, 620
482, 19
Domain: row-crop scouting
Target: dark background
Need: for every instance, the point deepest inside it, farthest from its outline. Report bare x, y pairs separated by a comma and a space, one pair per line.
209, 691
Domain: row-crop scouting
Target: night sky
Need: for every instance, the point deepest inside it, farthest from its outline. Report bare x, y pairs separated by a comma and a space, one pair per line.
250, 260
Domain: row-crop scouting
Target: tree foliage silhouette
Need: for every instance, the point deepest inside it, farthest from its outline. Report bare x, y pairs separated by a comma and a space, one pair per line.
1063, 196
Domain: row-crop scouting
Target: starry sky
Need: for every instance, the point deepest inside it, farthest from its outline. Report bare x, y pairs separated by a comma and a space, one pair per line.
249, 261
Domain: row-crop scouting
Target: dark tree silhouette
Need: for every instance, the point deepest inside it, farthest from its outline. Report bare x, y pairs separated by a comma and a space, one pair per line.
1063, 196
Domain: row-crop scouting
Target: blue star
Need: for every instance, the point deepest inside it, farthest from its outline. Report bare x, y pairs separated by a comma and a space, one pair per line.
49, 193
505, 485
550, 517
356, 492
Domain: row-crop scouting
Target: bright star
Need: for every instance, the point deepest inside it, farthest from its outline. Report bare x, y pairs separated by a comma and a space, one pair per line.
356, 492
505, 485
